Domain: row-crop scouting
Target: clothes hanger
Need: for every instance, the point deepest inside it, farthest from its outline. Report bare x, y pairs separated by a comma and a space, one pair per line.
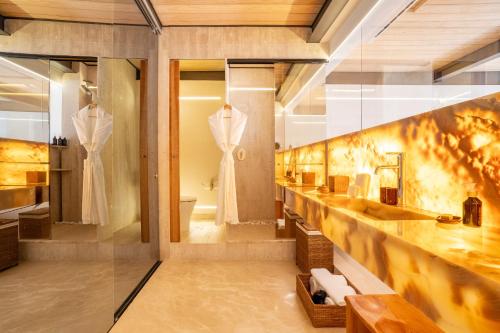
93, 105
228, 107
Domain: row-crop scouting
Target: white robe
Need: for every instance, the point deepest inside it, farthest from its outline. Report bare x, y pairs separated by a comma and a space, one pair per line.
93, 132
227, 139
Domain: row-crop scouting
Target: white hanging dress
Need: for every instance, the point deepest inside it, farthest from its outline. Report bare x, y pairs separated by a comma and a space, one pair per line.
227, 134
93, 132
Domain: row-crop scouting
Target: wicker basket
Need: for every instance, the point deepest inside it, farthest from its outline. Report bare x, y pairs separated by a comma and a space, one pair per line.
313, 250
321, 315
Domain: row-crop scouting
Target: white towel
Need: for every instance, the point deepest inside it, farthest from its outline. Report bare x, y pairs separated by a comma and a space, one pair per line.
329, 301
338, 294
314, 286
327, 279
335, 285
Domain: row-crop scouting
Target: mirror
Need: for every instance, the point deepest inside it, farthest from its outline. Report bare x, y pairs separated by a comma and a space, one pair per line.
47, 238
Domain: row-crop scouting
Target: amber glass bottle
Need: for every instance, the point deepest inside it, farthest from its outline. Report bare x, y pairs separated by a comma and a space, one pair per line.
472, 210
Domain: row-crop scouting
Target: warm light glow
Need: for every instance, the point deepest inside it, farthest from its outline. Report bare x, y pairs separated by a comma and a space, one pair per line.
17, 157
252, 89
479, 140
200, 98
12, 85
444, 150
22, 94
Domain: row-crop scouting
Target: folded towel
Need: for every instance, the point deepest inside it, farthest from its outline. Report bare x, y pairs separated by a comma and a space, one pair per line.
335, 285
314, 286
329, 301
327, 279
338, 294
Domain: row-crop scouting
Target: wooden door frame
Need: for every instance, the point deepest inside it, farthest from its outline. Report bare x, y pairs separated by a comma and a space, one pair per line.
144, 151
174, 162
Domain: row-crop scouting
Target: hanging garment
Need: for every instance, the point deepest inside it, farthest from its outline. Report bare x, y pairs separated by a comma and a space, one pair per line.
93, 132
227, 134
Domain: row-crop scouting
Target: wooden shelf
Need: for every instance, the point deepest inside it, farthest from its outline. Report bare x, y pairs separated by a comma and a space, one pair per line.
58, 147
14, 162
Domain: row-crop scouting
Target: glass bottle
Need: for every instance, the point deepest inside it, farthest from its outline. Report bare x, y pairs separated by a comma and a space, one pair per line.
472, 209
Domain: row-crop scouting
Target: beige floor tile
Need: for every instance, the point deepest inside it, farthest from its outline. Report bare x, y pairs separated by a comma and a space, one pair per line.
199, 296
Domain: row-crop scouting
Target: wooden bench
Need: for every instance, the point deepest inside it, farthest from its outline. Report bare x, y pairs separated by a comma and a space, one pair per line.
385, 313
35, 224
9, 243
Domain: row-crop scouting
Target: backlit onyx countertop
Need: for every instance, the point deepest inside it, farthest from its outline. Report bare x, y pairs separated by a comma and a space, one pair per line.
450, 272
16, 196
477, 249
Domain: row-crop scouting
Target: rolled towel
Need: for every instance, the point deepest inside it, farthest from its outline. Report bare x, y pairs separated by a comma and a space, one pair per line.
327, 279
314, 286
329, 301
338, 294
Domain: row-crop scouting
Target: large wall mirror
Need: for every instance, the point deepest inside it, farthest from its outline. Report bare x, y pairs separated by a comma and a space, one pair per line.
56, 116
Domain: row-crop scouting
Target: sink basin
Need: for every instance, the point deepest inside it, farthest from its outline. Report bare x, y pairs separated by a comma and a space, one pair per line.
379, 211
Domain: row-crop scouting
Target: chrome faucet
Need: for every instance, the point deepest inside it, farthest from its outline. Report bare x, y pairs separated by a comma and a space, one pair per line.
401, 174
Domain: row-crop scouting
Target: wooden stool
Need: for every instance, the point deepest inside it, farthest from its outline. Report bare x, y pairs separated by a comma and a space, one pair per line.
385, 313
34, 224
9, 243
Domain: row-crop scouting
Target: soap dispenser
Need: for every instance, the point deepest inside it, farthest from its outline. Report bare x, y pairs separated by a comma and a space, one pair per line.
472, 208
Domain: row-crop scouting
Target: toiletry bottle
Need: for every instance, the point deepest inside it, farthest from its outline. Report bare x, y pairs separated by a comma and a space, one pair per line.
59, 141
472, 208
54, 141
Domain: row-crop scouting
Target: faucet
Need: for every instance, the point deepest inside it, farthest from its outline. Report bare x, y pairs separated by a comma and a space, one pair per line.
401, 174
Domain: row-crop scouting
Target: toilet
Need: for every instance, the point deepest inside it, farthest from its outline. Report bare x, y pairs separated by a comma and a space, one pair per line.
186, 209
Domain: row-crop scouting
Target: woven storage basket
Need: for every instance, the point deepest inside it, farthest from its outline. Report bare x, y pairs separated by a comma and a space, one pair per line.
321, 315
312, 251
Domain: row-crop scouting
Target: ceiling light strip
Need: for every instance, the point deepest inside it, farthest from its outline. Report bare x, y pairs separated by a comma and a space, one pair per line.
252, 89
200, 98
27, 70
150, 15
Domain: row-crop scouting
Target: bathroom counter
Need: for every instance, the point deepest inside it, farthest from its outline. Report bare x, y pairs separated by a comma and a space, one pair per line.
451, 272
16, 196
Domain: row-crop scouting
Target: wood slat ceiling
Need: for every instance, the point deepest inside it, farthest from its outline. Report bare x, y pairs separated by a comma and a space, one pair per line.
171, 12
429, 37
99, 11
240, 12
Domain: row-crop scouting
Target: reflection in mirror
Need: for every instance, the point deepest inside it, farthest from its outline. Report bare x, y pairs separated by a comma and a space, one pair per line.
56, 244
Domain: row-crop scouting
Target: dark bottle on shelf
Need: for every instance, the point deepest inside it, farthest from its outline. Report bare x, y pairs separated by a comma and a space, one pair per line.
54, 141
59, 141
472, 209
64, 141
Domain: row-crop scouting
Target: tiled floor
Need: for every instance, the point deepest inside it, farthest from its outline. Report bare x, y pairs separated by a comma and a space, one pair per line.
200, 296
206, 232
57, 297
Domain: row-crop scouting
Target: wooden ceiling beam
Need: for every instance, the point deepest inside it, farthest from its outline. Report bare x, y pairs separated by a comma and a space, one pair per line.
482, 55
3, 32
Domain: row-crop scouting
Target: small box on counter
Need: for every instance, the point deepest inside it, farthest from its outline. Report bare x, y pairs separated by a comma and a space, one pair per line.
36, 177
338, 184
308, 178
